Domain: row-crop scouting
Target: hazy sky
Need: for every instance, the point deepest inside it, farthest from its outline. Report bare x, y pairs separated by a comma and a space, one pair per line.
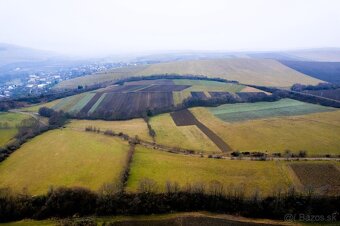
112, 26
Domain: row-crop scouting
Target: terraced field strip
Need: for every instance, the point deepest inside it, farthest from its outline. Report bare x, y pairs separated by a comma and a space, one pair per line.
250, 111
94, 107
317, 174
81, 103
186, 118
89, 104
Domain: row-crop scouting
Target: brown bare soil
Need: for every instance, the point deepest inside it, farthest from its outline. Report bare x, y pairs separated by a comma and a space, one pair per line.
323, 177
132, 104
186, 118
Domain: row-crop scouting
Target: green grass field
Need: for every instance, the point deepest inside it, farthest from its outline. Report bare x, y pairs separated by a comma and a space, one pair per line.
209, 86
251, 111
266, 176
317, 133
11, 120
189, 137
64, 158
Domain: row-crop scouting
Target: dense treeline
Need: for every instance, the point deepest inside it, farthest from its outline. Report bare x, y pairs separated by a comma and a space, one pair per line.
55, 118
172, 76
7, 104
228, 98
66, 202
321, 86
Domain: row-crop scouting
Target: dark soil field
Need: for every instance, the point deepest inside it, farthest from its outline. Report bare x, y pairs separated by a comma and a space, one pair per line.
324, 177
132, 104
331, 94
186, 118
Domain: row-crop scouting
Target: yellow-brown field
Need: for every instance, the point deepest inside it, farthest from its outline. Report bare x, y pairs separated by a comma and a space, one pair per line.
317, 133
133, 127
264, 176
189, 137
64, 158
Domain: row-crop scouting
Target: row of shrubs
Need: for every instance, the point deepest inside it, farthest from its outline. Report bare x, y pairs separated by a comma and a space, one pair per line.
27, 129
66, 202
287, 154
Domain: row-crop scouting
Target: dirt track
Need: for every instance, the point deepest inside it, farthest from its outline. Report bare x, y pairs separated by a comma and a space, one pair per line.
186, 118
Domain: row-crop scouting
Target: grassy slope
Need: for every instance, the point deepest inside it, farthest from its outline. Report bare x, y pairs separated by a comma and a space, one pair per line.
131, 127
317, 133
249, 111
12, 119
189, 137
163, 166
64, 158
247, 71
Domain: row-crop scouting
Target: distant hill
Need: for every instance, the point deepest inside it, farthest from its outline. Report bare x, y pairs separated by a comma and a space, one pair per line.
326, 71
10, 54
248, 71
323, 55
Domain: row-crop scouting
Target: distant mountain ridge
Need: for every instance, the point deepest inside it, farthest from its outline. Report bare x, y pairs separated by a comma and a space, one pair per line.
10, 54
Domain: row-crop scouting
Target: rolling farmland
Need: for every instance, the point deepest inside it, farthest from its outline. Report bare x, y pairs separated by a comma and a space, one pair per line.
64, 158
251, 111
186, 118
317, 133
189, 137
136, 98
248, 71
247, 175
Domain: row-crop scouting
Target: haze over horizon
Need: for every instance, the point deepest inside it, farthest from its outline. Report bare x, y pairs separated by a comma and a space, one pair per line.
104, 27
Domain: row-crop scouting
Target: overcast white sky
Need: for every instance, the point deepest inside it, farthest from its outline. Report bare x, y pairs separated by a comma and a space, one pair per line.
112, 26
